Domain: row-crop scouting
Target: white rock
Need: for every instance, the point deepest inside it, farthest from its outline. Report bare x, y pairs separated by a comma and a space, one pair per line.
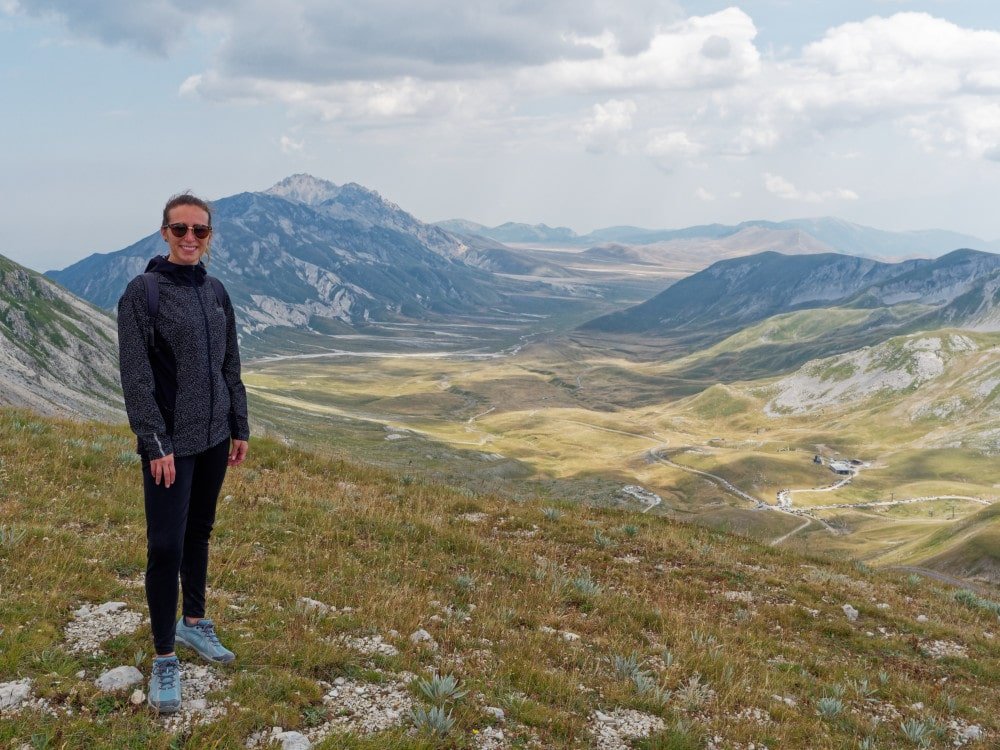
568, 636
971, 733
137, 698
850, 612
312, 605
921, 618
13, 694
883, 605
293, 741
422, 636
119, 678
496, 713
81, 674
198, 704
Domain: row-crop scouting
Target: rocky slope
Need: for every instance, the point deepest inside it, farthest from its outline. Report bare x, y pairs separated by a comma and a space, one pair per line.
957, 289
58, 354
311, 254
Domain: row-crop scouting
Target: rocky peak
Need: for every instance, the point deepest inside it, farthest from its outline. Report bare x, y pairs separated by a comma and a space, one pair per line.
304, 188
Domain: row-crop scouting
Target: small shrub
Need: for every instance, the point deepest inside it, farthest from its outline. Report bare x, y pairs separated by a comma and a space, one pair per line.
920, 733
625, 667
585, 586
552, 514
440, 689
646, 686
830, 707
434, 721
630, 530
693, 693
129, 458
465, 582
314, 716
603, 541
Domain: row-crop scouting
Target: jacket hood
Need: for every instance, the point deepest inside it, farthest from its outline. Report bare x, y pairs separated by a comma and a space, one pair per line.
180, 273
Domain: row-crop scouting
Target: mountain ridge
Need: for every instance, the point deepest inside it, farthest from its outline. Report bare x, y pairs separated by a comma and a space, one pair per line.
307, 251
734, 293
58, 354
837, 234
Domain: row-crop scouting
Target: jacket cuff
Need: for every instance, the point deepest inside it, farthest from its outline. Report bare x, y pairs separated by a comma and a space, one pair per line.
239, 428
156, 445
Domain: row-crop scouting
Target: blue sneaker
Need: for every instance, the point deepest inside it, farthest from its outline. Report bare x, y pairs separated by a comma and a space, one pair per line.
165, 685
202, 638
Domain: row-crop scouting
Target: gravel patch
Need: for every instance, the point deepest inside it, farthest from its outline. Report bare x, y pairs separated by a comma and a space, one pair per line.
612, 731
197, 681
93, 624
369, 645
943, 649
365, 707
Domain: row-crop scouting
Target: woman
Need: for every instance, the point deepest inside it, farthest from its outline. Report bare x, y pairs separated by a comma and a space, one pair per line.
180, 373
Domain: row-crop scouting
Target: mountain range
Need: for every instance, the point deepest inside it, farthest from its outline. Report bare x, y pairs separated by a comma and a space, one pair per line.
310, 254
958, 289
833, 234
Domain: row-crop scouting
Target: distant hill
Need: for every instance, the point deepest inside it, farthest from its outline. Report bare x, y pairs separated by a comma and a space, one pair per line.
968, 549
733, 294
835, 234
58, 354
311, 254
513, 232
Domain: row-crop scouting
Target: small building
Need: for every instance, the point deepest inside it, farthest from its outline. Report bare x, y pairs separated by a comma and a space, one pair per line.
841, 467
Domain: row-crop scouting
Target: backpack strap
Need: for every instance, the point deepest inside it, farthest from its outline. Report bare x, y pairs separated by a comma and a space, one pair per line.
220, 291
152, 286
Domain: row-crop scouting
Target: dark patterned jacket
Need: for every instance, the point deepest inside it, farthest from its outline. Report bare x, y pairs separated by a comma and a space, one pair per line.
184, 395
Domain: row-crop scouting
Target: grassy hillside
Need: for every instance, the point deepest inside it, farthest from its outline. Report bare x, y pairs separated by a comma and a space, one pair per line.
584, 625
969, 548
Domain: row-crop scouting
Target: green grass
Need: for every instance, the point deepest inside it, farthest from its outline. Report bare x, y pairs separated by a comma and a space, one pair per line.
389, 543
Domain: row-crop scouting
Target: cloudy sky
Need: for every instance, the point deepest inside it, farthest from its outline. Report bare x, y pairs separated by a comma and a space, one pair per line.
583, 113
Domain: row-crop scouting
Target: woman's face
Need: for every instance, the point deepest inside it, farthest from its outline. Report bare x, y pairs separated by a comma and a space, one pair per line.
186, 250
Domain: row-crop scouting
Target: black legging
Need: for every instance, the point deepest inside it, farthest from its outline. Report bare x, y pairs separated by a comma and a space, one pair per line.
179, 523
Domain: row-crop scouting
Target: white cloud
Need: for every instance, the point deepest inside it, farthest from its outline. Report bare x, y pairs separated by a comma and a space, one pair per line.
704, 195
602, 131
786, 190
479, 63
289, 145
674, 145
700, 52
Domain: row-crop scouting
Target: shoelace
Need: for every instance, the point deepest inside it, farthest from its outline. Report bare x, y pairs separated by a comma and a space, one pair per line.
207, 628
167, 671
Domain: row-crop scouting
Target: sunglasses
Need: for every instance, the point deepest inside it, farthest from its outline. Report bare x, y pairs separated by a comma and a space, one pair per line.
201, 231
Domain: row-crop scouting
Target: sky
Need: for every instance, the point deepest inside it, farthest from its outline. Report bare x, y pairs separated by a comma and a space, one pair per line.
579, 113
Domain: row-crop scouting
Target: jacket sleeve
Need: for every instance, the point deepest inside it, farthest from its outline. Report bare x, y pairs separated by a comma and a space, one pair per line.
144, 415
239, 426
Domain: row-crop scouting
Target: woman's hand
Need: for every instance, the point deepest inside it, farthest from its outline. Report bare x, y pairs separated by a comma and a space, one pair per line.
238, 452
163, 468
